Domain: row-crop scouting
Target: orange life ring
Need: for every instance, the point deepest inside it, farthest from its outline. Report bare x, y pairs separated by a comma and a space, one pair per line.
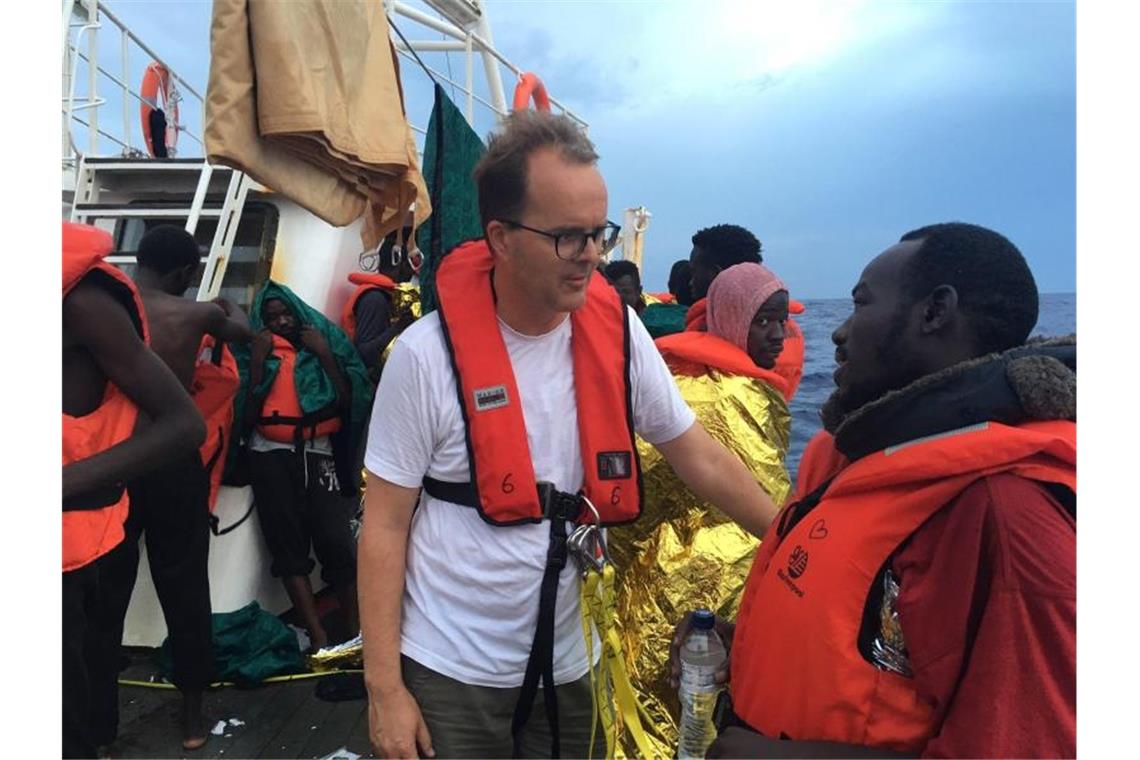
158, 88
530, 86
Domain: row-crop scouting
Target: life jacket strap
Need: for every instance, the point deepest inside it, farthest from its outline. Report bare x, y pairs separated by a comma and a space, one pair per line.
555, 503
541, 660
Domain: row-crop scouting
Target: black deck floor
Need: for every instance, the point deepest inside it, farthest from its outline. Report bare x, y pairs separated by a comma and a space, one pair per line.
282, 720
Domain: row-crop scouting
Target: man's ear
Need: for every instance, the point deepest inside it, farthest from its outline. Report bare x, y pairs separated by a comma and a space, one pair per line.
497, 237
940, 309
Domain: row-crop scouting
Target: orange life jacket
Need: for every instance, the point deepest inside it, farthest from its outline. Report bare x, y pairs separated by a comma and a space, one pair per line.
790, 362
93, 522
797, 667
691, 352
501, 466
365, 281
664, 297
215, 383
282, 418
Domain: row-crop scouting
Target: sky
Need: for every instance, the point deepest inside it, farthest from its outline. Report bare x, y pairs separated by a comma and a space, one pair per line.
829, 129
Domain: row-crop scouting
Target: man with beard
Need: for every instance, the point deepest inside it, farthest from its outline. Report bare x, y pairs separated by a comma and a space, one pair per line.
918, 596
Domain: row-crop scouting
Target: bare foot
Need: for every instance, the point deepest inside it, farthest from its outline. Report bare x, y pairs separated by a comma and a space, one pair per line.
194, 733
318, 640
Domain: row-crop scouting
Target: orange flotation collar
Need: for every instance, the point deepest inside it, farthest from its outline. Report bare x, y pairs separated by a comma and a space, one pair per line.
365, 282
282, 418
691, 353
215, 384
502, 471
790, 362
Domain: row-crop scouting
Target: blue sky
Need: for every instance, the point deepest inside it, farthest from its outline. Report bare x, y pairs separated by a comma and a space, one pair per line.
827, 128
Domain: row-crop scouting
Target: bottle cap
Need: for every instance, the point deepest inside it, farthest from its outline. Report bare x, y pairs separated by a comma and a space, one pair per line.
703, 620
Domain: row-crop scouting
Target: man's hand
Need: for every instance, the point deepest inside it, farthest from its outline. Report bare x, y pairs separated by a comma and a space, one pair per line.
262, 346
312, 339
226, 305
396, 726
724, 629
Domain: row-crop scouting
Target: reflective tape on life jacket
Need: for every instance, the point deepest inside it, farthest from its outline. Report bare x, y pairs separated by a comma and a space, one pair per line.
365, 282
93, 522
213, 388
801, 662
501, 466
282, 418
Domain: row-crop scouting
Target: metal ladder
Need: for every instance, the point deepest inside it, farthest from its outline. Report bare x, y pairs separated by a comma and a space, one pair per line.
86, 206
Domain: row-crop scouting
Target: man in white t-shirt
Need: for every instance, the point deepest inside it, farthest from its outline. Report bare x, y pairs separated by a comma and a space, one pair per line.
454, 591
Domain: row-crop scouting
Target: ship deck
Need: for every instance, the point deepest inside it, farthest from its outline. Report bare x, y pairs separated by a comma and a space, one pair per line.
279, 720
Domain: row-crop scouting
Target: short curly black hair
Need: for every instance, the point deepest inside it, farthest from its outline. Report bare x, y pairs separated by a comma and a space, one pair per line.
727, 245
615, 270
995, 288
166, 248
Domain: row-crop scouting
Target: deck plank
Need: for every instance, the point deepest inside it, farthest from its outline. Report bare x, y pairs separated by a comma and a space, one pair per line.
290, 740
270, 708
334, 732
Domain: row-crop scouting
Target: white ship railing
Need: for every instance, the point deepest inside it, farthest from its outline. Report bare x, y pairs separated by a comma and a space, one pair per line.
86, 18
462, 21
470, 33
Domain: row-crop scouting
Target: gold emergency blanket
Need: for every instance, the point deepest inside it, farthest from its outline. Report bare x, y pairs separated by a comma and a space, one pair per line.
405, 300
346, 656
305, 98
683, 554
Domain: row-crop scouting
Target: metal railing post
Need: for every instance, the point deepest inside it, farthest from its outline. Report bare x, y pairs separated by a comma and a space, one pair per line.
126, 72
470, 84
93, 78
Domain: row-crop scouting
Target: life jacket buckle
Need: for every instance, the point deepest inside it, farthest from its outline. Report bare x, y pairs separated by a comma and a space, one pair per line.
558, 505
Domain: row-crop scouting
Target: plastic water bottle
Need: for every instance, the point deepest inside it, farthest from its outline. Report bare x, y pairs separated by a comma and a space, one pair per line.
702, 655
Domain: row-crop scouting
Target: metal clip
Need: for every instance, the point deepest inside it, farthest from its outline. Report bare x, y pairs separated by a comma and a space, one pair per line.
583, 545
588, 545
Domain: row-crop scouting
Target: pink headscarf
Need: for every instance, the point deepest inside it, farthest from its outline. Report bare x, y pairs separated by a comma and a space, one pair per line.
735, 296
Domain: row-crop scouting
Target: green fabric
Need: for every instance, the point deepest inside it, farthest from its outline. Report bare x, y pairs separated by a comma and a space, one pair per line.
250, 645
662, 319
451, 150
315, 389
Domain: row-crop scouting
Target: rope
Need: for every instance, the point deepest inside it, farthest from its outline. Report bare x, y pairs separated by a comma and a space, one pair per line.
412, 51
220, 684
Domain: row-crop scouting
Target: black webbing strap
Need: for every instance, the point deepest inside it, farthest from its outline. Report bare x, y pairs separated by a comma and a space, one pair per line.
559, 507
541, 660
456, 493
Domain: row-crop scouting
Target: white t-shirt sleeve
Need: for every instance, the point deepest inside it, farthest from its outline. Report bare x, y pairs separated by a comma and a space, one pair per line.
659, 412
400, 431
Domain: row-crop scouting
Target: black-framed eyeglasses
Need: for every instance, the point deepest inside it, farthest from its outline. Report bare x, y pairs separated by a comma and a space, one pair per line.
569, 244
